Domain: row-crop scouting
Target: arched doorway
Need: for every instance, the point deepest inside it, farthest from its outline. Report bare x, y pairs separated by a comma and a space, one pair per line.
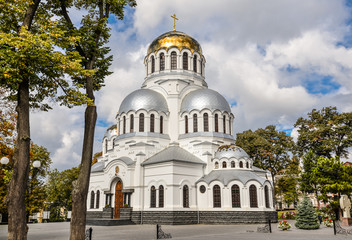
118, 199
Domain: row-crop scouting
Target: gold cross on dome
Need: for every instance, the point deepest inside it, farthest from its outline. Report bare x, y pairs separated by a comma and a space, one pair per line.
175, 18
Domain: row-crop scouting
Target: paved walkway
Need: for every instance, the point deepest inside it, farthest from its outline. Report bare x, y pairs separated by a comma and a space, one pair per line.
60, 231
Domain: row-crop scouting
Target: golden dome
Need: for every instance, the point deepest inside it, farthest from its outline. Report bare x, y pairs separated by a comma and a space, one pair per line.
174, 39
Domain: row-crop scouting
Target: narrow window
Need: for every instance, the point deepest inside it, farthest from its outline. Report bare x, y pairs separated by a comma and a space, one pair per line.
161, 124
152, 197
195, 63
153, 64
216, 197
241, 164
162, 62
253, 196
106, 145
173, 60
152, 122
206, 122
236, 199
201, 67
92, 195
247, 165
161, 196
233, 165
141, 122
266, 193
224, 165
186, 124
216, 165
216, 123
185, 196
224, 123
124, 125
185, 61
98, 199
131, 123
195, 123
230, 126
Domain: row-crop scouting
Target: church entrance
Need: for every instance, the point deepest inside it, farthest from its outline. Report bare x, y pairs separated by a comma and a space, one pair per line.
118, 199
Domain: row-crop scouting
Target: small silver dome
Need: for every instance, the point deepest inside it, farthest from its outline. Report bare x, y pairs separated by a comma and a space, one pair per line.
205, 98
230, 152
144, 99
110, 132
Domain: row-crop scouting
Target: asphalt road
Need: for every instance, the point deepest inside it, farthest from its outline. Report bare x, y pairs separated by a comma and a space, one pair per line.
60, 231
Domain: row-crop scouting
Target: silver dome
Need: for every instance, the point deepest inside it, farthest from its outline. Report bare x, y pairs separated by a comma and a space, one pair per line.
230, 152
204, 98
144, 99
110, 132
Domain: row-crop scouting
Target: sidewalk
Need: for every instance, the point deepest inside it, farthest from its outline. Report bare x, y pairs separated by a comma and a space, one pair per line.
60, 231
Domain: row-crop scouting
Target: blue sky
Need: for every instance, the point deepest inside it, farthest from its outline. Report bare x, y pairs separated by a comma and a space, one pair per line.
274, 61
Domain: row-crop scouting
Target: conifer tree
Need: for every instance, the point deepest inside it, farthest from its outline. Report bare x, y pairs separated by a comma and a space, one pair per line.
306, 218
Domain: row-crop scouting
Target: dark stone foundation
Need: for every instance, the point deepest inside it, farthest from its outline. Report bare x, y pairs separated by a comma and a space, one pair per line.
190, 217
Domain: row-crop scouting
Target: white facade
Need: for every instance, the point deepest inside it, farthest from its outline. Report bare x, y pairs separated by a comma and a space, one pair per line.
175, 135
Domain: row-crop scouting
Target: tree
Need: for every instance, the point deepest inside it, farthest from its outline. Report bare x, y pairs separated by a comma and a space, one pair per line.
36, 195
326, 132
269, 148
94, 34
287, 185
333, 179
306, 217
32, 70
59, 191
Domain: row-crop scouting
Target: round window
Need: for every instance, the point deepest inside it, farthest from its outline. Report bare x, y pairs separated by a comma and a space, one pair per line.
202, 189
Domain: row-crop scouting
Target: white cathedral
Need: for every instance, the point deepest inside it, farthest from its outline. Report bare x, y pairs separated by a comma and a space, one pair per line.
170, 158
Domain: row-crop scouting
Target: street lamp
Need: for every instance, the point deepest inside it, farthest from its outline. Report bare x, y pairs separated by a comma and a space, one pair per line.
4, 160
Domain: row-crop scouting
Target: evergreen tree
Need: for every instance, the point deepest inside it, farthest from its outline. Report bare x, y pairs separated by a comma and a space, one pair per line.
306, 218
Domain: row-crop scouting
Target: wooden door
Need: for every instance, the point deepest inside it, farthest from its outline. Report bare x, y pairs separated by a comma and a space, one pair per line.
118, 199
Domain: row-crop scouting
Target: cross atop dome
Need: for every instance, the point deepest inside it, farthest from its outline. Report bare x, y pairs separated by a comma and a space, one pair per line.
175, 18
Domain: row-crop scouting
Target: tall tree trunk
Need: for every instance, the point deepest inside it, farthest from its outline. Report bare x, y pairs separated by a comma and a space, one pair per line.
17, 228
80, 188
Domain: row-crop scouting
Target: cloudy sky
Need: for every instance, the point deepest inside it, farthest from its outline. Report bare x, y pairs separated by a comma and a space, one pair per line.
273, 60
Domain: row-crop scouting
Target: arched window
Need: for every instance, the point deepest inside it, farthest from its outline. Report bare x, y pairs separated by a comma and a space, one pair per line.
185, 196
216, 123
206, 122
106, 145
153, 64
247, 165
162, 62
216, 196
233, 164
241, 164
216, 165
195, 123
195, 63
161, 124
98, 199
253, 201
161, 196
141, 122
92, 196
152, 197
124, 125
230, 126
266, 194
224, 123
186, 124
236, 198
131, 123
224, 165
152, 122
185, 61
201, 67
173, 60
